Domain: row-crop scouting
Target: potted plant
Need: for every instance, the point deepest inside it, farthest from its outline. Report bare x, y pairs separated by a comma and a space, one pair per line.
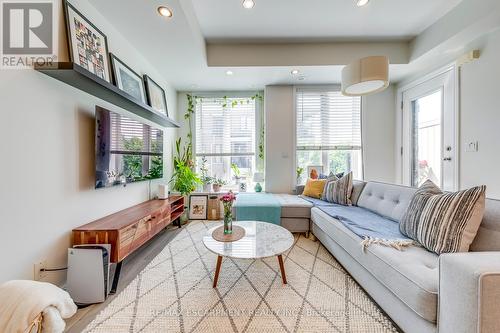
205, 178
217, 184
300, 171
184, 179
236, 172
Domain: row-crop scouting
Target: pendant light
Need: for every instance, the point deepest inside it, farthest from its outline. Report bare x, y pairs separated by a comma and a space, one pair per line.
365, 76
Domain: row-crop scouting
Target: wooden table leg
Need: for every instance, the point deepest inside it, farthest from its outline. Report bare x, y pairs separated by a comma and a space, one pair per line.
217, 271
282, 269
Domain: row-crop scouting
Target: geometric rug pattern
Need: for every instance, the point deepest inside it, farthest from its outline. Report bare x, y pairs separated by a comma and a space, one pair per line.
174, 293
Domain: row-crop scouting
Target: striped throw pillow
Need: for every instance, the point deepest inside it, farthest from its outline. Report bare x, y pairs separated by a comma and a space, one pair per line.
331, 178
444, 222
339, 191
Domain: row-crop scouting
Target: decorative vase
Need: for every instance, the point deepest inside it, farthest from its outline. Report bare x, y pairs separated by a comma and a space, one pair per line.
228, 224
227, 202
258, 188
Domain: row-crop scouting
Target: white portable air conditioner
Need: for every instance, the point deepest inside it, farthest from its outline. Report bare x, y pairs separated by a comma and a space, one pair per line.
88, 273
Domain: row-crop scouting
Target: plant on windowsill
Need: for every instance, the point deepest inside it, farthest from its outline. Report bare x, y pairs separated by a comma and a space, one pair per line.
300, 171
204, 177
236, 172
217, 184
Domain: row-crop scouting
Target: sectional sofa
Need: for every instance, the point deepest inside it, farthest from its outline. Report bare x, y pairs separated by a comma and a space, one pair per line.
419, 290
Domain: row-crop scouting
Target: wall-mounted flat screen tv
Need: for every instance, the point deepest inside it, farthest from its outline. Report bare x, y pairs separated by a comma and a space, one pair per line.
126, 150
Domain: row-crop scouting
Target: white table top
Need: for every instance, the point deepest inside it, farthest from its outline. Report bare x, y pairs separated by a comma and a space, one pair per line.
261, 240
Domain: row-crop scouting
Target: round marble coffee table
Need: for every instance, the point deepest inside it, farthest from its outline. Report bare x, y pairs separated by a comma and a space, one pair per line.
261, 240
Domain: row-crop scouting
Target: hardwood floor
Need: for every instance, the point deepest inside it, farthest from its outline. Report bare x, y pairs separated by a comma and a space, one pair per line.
132, 266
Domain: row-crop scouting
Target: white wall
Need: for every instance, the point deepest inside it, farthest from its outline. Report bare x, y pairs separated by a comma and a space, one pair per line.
378, 130
279, 148
47, 161
480, 117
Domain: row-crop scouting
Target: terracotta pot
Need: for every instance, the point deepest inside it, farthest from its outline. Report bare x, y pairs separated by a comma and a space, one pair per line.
216, 187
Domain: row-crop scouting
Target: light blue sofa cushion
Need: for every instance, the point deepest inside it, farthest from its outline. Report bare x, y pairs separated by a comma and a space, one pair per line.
387, 200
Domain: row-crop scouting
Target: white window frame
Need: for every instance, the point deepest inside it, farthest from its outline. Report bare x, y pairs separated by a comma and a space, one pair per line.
258, 122
332, 87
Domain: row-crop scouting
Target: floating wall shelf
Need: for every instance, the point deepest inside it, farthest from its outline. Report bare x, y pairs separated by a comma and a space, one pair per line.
78, 77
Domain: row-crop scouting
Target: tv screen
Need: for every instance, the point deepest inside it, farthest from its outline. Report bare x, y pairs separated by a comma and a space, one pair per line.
126, 150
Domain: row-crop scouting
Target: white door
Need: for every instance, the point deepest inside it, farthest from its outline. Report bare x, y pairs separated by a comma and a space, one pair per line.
430, 133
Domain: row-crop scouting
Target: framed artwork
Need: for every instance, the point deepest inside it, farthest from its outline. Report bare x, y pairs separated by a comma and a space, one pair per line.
313, 171
156, 95
127, 80
88, 46
198, 205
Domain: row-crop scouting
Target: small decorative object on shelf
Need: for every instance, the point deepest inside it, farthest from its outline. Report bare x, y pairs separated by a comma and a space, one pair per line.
243, 187
227, 201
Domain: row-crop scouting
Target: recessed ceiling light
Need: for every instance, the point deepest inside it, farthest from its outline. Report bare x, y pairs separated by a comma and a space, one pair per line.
229, 73
165, 11
248, 4
361, 3
295, 72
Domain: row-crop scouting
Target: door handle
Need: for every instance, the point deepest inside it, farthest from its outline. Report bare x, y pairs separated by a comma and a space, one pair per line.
447, 159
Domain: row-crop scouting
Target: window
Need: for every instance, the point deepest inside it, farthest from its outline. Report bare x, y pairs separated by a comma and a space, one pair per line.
328, 132
225, 136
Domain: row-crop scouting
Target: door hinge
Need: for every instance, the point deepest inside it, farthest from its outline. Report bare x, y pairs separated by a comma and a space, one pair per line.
402, 105
401, 151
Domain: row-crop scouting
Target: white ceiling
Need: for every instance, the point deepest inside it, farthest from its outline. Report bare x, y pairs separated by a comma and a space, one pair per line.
177, 46
318, 19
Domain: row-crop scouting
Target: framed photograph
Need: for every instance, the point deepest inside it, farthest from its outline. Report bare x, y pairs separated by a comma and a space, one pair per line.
156, 95
198, 205
314, 169
127, 80
88, 46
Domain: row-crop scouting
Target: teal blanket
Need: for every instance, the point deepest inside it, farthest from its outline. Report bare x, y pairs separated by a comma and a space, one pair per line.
257, 207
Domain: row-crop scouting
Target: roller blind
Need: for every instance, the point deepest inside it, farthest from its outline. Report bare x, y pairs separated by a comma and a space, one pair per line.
225, 127
327, 120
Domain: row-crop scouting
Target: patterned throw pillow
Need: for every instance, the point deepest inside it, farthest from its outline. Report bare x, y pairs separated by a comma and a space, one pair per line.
314, 188
339, 191
331, 178
444, 222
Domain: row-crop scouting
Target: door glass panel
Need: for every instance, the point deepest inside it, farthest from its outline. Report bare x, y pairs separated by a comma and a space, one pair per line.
427, 133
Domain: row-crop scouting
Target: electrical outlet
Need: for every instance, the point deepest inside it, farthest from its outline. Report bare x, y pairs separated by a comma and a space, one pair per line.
38, 274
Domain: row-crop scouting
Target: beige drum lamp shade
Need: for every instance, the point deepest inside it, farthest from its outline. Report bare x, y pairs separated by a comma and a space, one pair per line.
365, 76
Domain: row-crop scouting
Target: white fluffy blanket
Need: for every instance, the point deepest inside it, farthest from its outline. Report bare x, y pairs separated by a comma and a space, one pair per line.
22, 301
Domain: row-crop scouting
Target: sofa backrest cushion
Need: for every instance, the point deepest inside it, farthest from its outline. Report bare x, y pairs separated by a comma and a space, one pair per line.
387, 200
488, 235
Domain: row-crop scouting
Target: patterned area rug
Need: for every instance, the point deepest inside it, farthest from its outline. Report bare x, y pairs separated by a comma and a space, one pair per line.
174, 293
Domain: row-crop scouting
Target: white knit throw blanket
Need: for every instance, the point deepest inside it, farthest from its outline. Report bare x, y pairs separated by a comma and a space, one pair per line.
398, 244
22, 302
